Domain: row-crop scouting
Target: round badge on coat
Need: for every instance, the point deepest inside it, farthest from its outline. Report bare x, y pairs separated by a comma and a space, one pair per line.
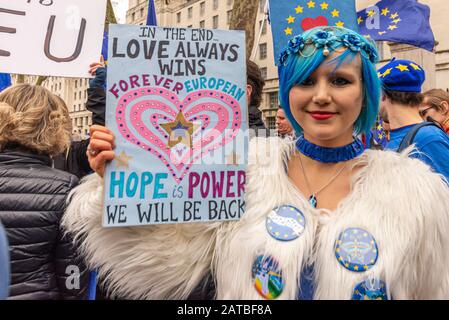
356, 250
371, 289
267, 276
285, 223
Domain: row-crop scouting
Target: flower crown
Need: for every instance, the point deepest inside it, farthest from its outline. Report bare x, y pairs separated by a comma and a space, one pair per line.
325, 39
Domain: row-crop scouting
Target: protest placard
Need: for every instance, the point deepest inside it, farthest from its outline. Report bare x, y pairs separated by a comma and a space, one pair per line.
50, 37
176, 101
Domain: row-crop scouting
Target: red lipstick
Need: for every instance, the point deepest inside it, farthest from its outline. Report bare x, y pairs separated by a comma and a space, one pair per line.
321, 115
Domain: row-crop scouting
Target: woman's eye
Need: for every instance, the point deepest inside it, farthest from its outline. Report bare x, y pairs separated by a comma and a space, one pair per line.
307, 83
340, 82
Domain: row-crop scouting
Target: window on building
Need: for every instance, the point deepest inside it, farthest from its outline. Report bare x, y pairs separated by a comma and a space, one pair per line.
271, 122
263, 71
141, 12
215, 22
189, 12
380, 49
133, 17
262, 51
74, 96
264, 29
189, 26
76, 84
273, 100
178, 17
229, 2
60, 86
215, 6
202, 8
202, 24
229, 17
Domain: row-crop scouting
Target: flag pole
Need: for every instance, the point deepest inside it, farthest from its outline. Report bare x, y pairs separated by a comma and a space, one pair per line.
256, 47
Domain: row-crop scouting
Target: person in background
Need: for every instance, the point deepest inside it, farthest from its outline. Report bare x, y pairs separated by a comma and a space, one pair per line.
402, 81
4, 264
283, 126
436, 106
254, 87
34, 126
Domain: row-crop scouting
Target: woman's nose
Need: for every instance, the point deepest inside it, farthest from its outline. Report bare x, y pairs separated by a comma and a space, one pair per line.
321, 95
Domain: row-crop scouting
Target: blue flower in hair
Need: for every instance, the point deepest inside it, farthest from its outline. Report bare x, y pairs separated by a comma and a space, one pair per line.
283, 56
323, 39
352, 42
296, 44
371, 52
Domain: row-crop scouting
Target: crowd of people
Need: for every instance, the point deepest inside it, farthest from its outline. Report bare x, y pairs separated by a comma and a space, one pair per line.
326, 217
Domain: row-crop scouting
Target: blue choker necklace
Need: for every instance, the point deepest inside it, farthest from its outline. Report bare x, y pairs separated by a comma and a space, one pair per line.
330, 155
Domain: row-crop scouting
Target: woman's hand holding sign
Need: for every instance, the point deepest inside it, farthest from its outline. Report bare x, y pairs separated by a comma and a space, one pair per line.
101, 146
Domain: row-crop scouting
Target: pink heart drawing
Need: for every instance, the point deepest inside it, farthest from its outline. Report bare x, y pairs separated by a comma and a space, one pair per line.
216, 118
309, 23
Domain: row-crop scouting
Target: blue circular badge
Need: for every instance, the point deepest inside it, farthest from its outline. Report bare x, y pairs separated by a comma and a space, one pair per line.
371, 289
285, 223
356, 250
267, 276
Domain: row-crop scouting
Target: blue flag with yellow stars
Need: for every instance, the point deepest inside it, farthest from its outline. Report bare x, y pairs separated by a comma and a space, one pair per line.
293, 17
403, 21
5, 81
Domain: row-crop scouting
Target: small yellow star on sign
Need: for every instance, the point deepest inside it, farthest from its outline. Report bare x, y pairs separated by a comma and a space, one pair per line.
392, 27
394, 16
381, 33
397, 20
180, 126
387, 72
335, 13
359, 20
123, 160
371, 13
324, 6
385, 12
290, 19
288, 31
340, 24
311, 4
299, 9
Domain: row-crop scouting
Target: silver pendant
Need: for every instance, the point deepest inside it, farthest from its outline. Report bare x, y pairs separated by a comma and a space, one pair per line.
313, 201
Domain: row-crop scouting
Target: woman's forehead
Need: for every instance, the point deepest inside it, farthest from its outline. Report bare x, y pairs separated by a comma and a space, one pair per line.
348, 65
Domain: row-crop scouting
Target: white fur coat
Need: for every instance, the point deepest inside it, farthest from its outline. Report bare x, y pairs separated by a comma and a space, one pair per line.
397, 199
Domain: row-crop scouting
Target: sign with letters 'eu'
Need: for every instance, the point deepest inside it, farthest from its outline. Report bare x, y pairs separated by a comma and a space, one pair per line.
176, 101
50, 37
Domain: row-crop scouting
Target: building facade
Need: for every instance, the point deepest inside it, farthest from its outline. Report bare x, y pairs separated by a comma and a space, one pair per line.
216, 14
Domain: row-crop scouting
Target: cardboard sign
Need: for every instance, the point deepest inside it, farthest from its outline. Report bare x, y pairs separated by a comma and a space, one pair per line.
176, 101
51, 37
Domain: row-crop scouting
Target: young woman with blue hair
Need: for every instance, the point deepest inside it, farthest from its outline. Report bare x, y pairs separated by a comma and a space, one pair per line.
326, 219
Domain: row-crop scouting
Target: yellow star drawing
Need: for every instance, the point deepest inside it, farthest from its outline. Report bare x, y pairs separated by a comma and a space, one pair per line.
123, 160
299, 9
178, 127
232, 159
397, 20
394, 16
335, 13
356, 268
414, 66
340, 24
359, 20
385, 12
288, 31
290, 19
381, 33
324, 6
392, 27
311, 4
379, 75
371, 13
380, 135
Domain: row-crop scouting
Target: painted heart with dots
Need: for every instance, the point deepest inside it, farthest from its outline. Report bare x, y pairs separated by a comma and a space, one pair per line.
178, 133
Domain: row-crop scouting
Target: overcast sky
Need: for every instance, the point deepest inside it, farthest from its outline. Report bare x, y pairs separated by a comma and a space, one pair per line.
120, 7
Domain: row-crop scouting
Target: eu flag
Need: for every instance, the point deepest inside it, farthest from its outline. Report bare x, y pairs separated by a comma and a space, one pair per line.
404, 21
293, 17
5, 81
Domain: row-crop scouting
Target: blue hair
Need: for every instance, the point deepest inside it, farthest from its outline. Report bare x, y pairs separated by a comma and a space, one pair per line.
298, 67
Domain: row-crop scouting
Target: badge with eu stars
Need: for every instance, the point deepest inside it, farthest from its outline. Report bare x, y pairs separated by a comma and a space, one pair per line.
370, 289
285, 223
356, 250
267, 277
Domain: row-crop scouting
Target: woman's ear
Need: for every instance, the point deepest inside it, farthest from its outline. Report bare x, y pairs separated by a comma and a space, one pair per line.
444, 107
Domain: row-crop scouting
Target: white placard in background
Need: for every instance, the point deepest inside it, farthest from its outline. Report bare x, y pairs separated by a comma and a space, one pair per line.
51, 37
